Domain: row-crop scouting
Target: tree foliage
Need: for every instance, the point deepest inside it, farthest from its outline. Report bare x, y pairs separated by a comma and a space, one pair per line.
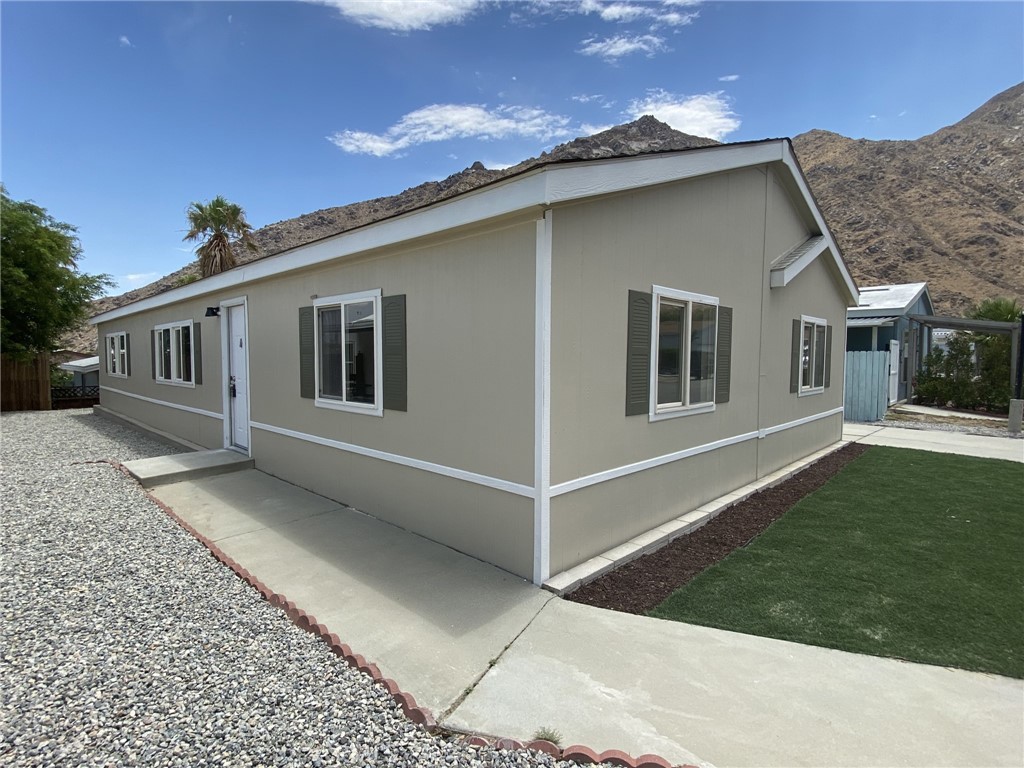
44, 294
975, 369
216, 223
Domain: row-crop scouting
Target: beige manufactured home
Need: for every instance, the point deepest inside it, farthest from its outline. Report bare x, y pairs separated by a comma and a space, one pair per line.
532, 372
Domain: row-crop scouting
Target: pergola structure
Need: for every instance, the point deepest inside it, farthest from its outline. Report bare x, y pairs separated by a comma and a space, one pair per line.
999, 327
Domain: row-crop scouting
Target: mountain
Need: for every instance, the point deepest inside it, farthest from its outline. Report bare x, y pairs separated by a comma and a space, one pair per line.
947, 208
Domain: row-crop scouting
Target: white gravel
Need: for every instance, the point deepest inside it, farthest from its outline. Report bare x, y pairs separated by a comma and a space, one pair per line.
126, 643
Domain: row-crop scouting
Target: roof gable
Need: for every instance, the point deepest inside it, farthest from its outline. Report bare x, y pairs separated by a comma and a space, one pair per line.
895, 300
537, 189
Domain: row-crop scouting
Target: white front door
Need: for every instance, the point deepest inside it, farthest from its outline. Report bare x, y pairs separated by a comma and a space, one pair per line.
238, 377
894, 371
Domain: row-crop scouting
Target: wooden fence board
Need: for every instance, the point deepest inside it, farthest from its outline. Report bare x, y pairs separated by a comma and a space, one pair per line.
867, 386
25, 385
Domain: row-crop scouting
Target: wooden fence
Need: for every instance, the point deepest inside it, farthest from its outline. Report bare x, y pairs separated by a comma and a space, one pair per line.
25, 385
867, 386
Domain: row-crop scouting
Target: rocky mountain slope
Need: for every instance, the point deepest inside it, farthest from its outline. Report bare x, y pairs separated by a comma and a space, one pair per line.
947, 208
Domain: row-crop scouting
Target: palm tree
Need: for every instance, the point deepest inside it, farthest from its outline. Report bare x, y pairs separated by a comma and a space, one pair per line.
217, 222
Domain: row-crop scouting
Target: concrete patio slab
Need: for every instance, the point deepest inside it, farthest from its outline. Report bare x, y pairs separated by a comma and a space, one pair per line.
696, 694
431, 618
178, 467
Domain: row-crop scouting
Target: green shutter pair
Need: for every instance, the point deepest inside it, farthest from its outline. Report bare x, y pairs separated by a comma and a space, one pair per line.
394, 357
638, 354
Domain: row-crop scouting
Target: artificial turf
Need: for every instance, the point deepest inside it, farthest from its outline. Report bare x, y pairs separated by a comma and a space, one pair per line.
908, 554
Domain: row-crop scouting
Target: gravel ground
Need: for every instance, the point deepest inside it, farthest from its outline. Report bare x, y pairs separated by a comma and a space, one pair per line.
951, 423
126, 643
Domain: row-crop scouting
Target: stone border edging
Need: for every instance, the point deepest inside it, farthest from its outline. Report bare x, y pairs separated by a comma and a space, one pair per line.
421, 716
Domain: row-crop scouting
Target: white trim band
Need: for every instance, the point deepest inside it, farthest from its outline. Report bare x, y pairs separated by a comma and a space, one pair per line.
639, 466
427, 466
188, 408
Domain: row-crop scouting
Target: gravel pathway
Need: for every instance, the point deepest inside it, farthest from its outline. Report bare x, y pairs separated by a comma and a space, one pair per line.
126, 643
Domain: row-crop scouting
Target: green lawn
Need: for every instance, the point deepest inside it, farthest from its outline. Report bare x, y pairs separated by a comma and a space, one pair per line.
908, 554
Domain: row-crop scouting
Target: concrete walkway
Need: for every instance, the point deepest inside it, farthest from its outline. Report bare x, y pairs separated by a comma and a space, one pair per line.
488, 652
1006, 448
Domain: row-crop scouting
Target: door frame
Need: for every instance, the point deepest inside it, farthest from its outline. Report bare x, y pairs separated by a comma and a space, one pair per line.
225, 352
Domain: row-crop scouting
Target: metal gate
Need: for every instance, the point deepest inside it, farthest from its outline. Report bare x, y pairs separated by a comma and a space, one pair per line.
867, 386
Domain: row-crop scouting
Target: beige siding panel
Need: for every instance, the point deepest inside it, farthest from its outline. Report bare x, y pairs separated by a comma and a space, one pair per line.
786, 226
813, 293
194, 427
491, 525
704, 236
470, 318
782, 448
592, 520
206, 396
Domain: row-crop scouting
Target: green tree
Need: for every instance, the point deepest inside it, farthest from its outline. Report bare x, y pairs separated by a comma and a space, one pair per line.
994, 352
44, 294
216, 223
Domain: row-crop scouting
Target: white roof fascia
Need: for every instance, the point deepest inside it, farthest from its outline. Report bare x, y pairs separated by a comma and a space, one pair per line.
588, 178
543, 187
782, 277
790, 162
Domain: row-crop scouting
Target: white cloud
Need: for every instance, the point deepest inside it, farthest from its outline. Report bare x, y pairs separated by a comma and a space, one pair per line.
494, 165
405, 15
124, 42
586, 98
589, 129
728, 78
705, 114
902, 114
441, 122
658, 14
612, 48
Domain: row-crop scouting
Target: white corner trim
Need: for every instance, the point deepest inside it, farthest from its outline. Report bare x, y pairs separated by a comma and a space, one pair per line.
176, 406
668, 458
544, 186
438, 469
542, 405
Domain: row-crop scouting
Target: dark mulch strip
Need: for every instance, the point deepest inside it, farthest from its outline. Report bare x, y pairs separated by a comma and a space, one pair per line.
644, 583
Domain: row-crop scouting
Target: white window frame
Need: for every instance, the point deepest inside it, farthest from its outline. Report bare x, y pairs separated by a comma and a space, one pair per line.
173, 377
118, 367
341, 301
677, 297
814, 323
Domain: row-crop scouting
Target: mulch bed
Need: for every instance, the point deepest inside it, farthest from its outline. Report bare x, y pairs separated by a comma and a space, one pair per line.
644, 583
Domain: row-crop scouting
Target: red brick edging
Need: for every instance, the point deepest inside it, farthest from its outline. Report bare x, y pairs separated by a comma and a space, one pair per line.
421, 716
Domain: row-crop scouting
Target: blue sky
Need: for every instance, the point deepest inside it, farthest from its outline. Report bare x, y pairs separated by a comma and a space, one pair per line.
116, 115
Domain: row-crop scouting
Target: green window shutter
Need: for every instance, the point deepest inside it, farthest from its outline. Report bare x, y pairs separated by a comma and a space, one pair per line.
307, 352
197, 353
794, 362
152, 358
828, 356
723, 355
638, 353
128, 354
395, 362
